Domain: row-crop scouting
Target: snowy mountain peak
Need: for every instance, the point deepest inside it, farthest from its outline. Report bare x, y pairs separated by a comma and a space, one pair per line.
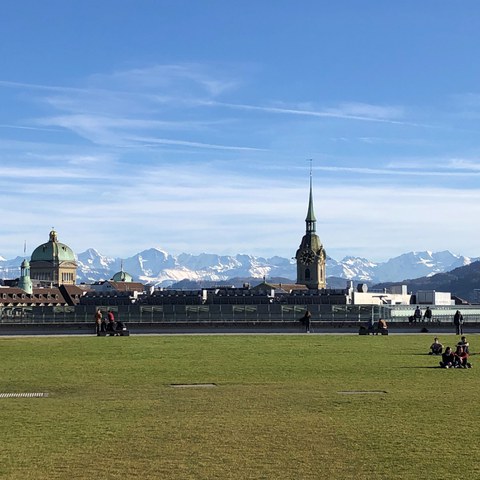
158, 267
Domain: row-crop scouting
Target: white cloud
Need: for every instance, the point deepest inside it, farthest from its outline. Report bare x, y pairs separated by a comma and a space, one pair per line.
165, 165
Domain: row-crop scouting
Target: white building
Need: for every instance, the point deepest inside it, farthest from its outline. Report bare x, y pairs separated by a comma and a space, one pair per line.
396, 295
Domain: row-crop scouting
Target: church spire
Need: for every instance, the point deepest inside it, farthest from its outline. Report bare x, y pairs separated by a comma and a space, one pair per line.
310, 220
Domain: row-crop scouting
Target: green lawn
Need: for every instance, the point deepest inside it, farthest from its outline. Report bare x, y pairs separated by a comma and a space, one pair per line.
277, 411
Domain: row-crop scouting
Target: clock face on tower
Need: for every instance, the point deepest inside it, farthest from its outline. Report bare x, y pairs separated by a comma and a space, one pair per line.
307, 256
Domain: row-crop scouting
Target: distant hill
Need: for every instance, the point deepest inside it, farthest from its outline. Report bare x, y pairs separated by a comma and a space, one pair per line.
461, 282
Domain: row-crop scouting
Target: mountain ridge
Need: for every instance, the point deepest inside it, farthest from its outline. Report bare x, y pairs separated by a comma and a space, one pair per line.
158, 267
461, 282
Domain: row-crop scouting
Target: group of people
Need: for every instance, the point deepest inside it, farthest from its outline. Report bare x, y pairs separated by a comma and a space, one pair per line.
418, 315
427, 317
450, 358
107, 325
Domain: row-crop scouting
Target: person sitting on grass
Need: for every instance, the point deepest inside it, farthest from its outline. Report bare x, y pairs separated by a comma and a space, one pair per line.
463, 342
436, 348
111, 327
461, 358
382, 327
447, 358
371, 327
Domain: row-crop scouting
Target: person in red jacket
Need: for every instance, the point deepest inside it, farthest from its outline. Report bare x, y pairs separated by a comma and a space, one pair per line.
461, 358
111, 322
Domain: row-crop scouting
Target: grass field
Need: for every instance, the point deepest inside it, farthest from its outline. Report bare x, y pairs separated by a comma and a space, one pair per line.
277, 410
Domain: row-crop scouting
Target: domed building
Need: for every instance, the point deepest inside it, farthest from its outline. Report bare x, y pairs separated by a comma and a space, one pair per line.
122, 276
53, 263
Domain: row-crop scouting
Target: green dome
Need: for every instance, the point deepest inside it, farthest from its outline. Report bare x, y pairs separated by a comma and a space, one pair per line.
122, 277
53, 251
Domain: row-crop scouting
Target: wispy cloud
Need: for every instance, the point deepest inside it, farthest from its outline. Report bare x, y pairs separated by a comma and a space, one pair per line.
361, 112
174, 77
464, 164
27, 127
151, 141
36, 86
439, 166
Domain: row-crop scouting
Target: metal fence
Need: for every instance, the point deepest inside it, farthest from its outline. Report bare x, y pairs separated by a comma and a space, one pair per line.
263, 313
441, 314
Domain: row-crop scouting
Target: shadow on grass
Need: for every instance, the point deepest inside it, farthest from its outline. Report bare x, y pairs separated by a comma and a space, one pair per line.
432, 366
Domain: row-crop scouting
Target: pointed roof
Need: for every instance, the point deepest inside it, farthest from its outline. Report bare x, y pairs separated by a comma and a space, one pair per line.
310, 220
310, 212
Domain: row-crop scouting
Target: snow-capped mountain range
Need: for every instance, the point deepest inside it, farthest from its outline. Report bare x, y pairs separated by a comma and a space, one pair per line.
159, 268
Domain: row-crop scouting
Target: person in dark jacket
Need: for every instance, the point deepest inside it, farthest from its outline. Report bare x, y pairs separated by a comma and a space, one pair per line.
448, 358
436, 348
306, 320
458, 322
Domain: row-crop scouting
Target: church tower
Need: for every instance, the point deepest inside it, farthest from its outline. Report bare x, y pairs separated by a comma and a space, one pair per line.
25, 282
311, 255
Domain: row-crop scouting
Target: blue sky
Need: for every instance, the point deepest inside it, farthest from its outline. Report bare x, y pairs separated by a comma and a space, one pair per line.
188, 125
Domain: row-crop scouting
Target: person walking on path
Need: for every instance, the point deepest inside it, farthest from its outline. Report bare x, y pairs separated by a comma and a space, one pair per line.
458, 322
306, 320
98, 321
